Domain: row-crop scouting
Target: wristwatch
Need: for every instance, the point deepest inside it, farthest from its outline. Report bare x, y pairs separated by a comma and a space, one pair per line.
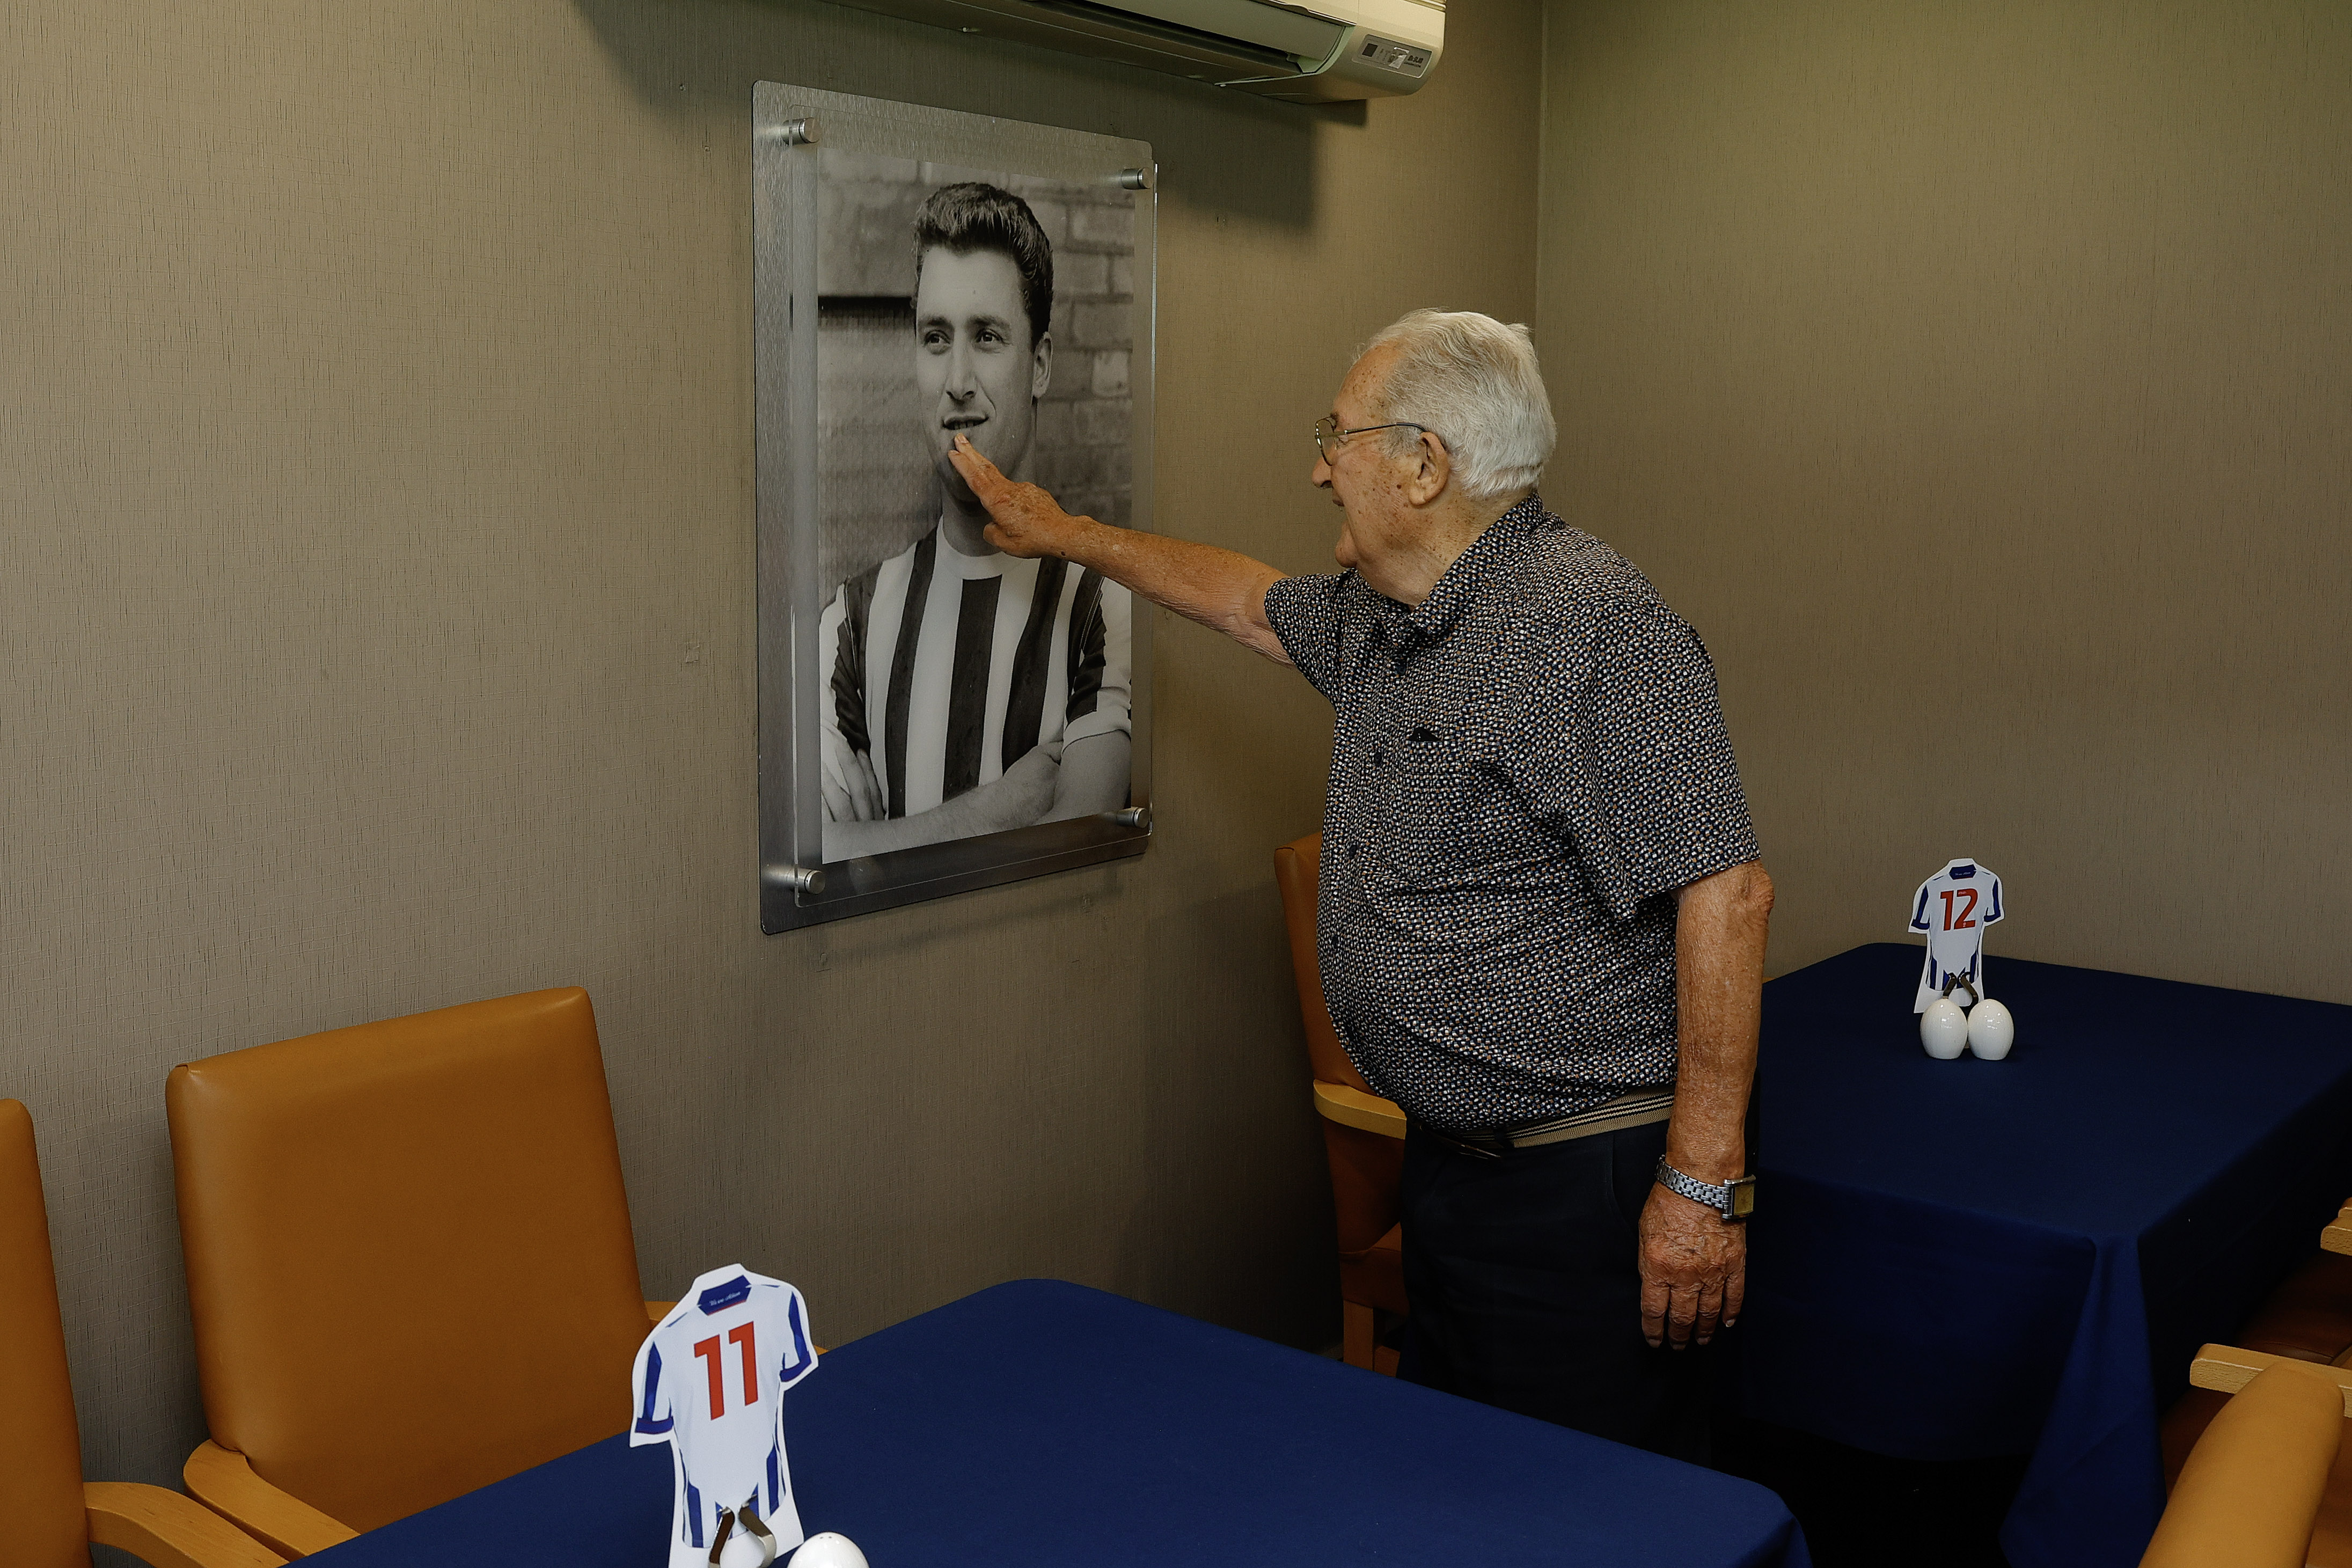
1735, 1200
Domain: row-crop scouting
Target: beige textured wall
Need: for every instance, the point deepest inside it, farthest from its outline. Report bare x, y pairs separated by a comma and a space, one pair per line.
375, 480
1977, 377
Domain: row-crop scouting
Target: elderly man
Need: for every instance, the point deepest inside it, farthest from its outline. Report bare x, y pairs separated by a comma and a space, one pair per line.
1542, 916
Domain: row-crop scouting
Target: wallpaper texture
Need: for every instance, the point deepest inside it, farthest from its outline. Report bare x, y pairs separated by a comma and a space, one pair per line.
1978, 378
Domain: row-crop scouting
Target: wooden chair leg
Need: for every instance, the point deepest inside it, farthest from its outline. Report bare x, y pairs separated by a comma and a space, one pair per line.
1384, 1360
1357, 1345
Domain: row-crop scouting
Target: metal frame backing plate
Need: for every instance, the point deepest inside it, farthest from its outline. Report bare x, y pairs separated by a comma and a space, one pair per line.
789, 124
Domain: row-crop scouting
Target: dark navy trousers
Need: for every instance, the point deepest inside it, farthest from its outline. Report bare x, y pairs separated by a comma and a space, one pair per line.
1526, 1293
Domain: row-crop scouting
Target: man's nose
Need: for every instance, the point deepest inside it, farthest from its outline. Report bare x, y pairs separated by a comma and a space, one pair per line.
961, 383
1321, 474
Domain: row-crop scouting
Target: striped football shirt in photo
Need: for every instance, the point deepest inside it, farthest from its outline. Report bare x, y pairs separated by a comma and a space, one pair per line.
946, 669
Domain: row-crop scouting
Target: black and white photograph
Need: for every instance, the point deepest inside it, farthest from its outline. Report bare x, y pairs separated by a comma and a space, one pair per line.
966, 691
935, 713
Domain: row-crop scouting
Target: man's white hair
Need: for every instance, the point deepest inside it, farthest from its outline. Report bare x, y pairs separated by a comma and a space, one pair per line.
1472, 382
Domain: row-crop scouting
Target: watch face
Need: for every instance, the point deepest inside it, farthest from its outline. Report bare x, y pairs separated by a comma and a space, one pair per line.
1743, 1197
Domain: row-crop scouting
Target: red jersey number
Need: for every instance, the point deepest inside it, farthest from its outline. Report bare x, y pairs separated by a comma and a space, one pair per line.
709, 1352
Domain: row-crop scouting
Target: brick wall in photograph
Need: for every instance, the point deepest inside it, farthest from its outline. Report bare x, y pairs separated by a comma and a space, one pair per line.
1083, 425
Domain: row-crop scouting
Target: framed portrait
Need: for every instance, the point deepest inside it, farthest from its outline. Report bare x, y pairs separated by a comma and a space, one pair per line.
936, 715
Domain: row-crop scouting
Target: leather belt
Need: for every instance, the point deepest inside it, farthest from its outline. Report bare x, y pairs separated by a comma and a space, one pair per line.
1637, 1108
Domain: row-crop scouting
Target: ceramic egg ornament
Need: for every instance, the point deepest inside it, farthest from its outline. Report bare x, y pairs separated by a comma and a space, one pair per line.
745, 1550
1991, 1030
828, 1550
1944, 1029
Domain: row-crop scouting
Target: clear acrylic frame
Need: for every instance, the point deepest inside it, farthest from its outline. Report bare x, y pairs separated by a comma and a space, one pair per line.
792, 130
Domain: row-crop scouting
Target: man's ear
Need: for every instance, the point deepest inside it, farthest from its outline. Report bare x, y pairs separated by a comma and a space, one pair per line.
1041, 367
1435, 472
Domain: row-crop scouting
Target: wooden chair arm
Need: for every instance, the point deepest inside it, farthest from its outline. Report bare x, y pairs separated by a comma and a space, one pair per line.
2225, 1369
2338, 1237
165, 1530
222, 1480
1354, 1108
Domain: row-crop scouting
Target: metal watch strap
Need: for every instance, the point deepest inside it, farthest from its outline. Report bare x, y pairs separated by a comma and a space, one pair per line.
1735, 1200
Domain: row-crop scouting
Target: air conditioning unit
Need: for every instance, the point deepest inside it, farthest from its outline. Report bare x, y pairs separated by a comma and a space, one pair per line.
1324, 53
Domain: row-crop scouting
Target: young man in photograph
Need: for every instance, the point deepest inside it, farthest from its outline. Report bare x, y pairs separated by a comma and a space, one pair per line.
965, 690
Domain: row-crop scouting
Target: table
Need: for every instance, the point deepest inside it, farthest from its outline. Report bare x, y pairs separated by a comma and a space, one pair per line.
1968, 1259
1040, 1422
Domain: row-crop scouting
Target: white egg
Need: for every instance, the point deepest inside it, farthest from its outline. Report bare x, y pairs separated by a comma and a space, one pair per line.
745, 1550
1944, 1029
1991, 1030
826, 1549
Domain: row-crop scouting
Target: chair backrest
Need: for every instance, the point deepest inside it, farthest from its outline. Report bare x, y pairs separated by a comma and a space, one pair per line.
1295, 865
2253, 1484
409, 1251
42, 1521
1366, 1167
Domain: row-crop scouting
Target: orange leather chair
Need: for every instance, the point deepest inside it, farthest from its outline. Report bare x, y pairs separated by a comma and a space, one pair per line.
2252, 1493
48, 1517
409, 1262
1363, 1133
2308, 1318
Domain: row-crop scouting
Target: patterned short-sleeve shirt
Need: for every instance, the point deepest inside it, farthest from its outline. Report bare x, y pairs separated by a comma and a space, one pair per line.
1524, 768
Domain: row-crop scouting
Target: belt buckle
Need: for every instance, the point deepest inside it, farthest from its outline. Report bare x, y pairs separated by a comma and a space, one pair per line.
1462, 1145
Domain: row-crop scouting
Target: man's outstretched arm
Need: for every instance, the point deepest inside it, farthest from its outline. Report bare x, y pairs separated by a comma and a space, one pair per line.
1221, 590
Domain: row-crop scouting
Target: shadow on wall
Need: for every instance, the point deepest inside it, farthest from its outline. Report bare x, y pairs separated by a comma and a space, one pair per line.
1218, 152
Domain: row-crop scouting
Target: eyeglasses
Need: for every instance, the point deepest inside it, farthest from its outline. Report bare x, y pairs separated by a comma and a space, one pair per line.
1330, 438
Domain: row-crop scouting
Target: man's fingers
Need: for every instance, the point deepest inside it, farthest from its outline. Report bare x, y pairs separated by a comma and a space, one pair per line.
1735, 1293
1655, 1296
978, 472
1682, 1315
841, 796
1023, 520
1710, 1310
969, 460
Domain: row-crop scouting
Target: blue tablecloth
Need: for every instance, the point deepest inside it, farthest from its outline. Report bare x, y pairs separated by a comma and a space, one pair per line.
1968, 1259
1045, 1423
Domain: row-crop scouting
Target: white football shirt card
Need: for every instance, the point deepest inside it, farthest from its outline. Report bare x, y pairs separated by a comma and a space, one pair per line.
709, 1382
1953, 908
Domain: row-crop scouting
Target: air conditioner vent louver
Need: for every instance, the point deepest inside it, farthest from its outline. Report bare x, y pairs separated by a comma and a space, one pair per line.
1323, 53
1211, 45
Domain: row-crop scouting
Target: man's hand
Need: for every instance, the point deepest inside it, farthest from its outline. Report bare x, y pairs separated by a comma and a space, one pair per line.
859, 798
1223, 591
1694, 1269
1023, 519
